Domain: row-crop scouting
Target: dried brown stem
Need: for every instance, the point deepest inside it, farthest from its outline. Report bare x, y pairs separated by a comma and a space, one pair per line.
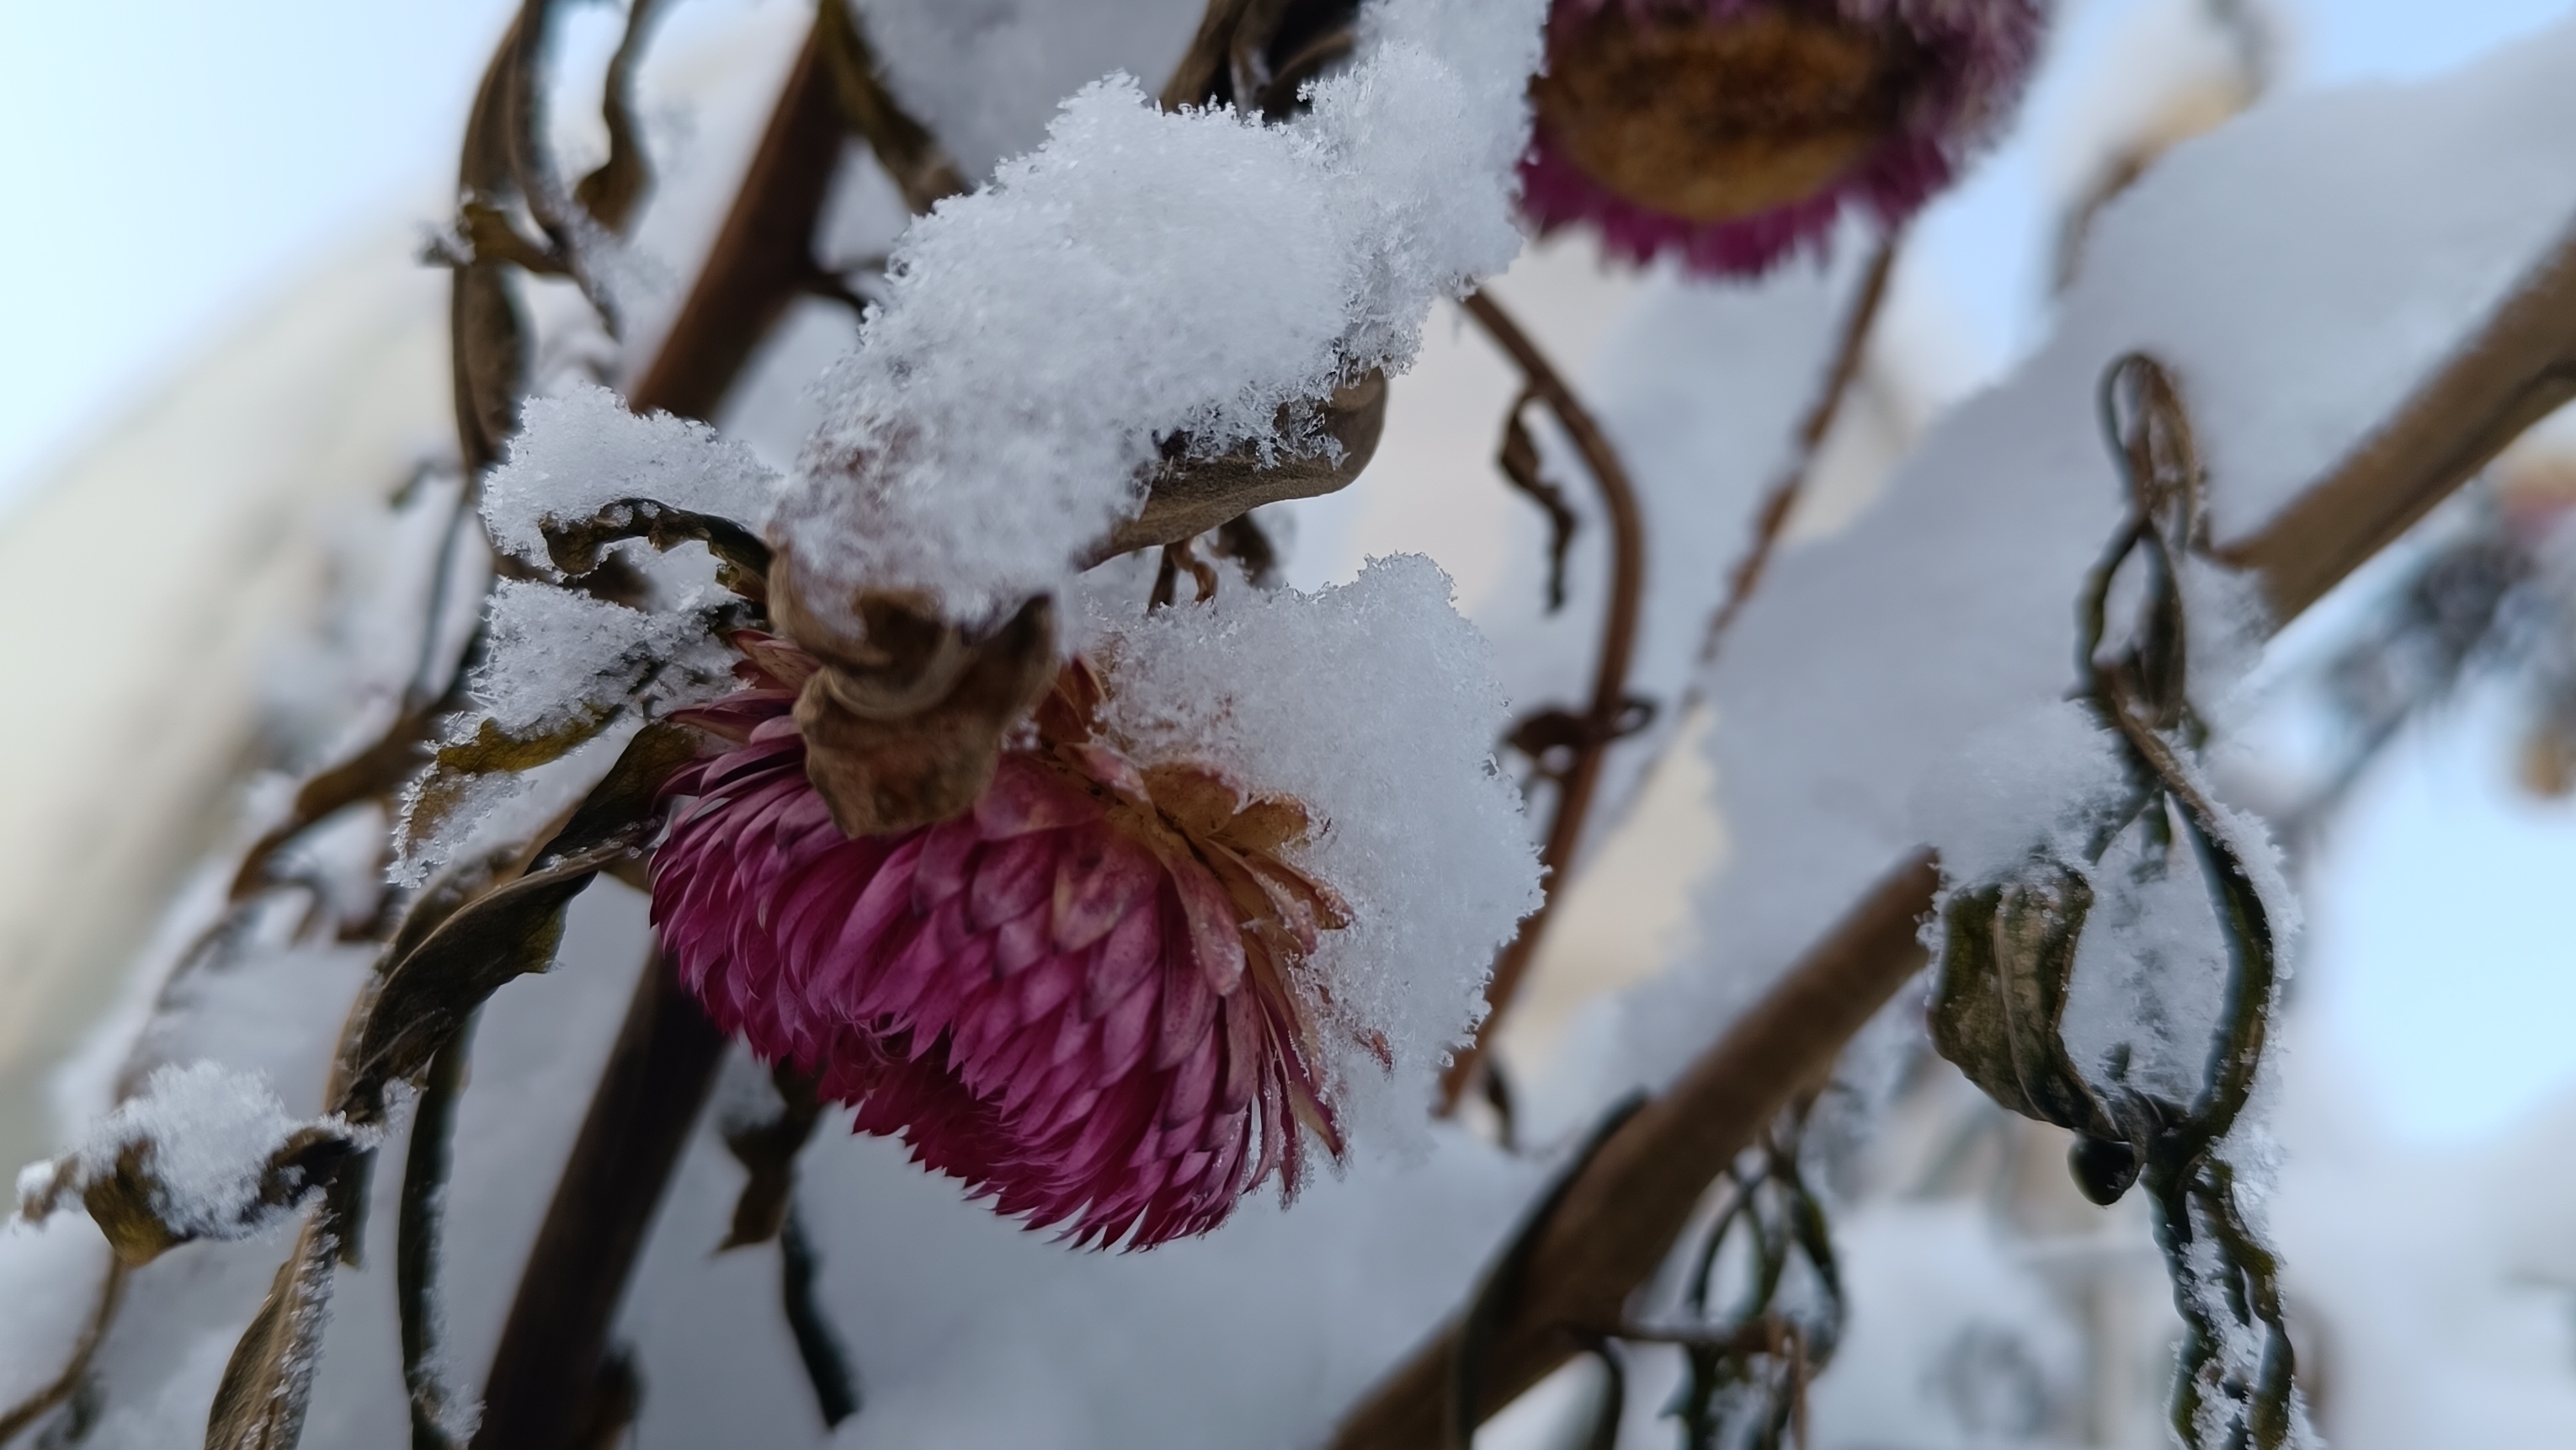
904, 147
2509, 374
1791, 485
1205, 68
1581, 779
419, 1226
1621, 1214
763, 255
111, 1291
556, 1337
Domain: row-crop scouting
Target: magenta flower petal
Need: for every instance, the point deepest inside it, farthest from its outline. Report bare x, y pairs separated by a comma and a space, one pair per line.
1069, 999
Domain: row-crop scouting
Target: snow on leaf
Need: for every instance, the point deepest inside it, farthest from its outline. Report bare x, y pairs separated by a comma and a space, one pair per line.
995, 419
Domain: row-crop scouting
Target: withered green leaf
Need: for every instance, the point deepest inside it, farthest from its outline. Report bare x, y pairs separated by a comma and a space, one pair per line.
2008, 957
260, 1403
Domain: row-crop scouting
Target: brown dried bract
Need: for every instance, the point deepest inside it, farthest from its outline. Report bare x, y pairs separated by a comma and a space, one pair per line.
1717, 121
906, 717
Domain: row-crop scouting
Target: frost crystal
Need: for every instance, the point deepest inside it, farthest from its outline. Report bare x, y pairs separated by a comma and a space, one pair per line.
1375, 704
581, 453
996, 416
558, 658
561, 668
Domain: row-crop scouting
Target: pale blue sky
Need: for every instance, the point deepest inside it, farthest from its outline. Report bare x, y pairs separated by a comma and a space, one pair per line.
169, 165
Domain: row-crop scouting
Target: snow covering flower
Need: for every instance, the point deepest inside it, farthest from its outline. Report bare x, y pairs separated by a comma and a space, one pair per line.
1730, 133
1083, 995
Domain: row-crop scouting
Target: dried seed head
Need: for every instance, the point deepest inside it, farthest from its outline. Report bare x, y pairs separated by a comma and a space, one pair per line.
1085, 995
1732, 132
904, 715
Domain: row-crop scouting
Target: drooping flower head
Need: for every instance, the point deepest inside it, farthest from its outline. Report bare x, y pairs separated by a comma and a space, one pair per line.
1731, 133
1083, 996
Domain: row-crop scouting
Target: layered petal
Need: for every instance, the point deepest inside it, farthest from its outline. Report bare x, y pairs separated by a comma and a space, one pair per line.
1079, 1003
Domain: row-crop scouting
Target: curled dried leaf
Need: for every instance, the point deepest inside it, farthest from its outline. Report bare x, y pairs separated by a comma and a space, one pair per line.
489, 358
456, 768
2008, 957
904, 721
437, 980
132, 1206
1189, 496
260, 1403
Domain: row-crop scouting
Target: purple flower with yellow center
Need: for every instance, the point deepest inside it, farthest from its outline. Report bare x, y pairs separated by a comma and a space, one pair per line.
1729, 134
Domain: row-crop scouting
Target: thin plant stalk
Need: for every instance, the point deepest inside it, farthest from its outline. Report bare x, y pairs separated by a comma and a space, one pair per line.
1791, 485
1581, 781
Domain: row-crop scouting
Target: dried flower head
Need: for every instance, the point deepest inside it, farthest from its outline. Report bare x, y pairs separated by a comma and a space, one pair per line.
1083, 995
1730, 133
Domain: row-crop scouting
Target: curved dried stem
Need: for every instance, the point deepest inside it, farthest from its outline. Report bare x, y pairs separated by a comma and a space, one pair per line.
1621, 1213
1791, 485
1605, 719
904, 147
111, 1292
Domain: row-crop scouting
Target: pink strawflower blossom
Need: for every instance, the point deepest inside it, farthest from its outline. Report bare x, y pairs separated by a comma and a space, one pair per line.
1729, 134
1083, 996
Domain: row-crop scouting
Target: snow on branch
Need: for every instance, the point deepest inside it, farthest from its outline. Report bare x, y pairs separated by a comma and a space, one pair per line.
1203, 272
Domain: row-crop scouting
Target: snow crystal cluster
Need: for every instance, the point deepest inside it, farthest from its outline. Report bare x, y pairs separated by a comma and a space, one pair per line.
1375, 704
206, 1133
1204, 273
577, 455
